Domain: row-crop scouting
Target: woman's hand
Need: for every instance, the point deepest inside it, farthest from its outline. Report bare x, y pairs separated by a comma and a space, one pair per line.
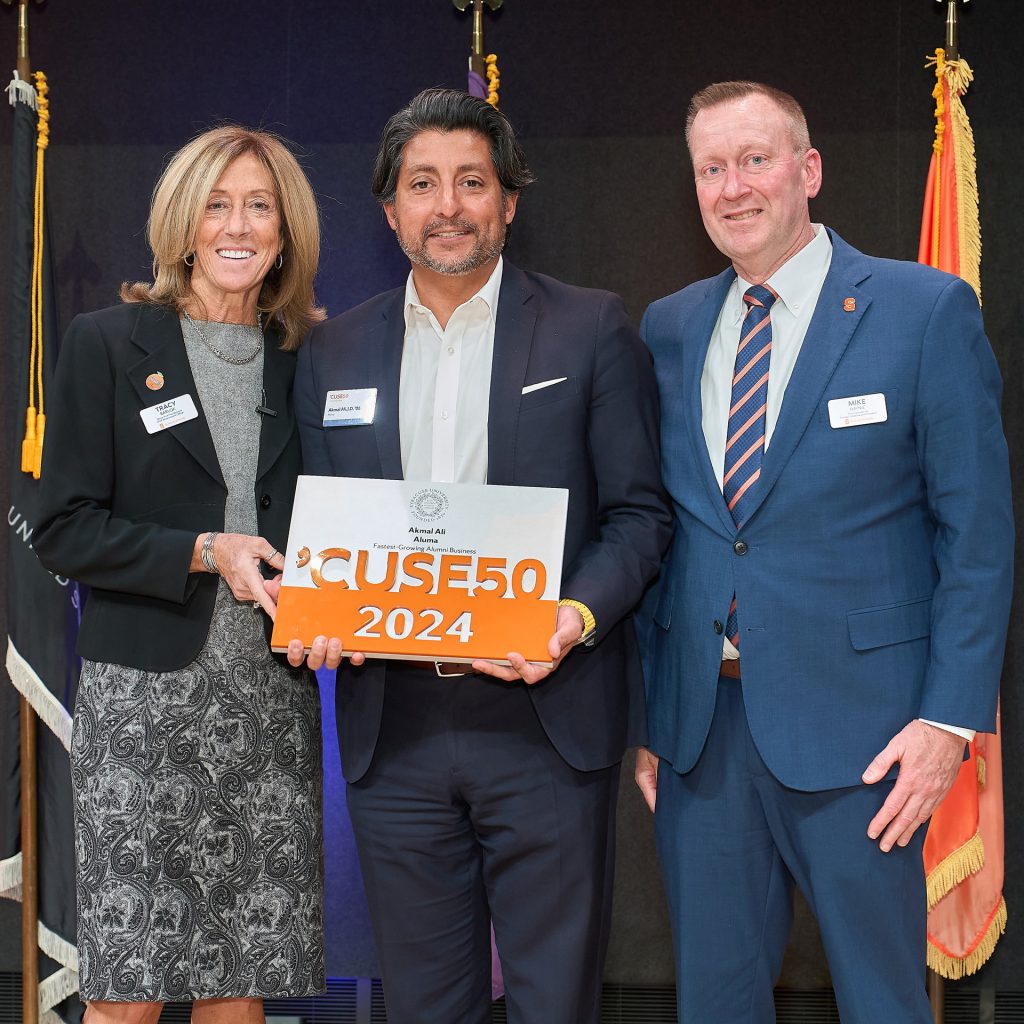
238, 557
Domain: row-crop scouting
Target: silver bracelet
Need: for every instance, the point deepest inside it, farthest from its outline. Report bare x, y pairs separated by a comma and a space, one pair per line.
206, 554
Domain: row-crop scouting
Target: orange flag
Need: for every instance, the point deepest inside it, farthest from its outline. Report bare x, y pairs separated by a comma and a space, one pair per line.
963, 852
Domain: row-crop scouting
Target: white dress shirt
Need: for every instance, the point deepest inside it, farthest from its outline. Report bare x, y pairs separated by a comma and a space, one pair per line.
798, 283
444, 393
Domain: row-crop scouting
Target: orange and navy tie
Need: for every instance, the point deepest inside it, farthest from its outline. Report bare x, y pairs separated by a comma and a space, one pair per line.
744, 445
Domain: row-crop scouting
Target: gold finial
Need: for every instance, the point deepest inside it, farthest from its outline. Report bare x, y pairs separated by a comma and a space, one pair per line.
23, 65
477, 58
952, 28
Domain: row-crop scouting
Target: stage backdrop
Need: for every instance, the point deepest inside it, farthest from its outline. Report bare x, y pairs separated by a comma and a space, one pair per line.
598, 91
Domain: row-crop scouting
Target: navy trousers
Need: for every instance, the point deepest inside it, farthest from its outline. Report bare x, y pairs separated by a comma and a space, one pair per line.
733, 841
469, 814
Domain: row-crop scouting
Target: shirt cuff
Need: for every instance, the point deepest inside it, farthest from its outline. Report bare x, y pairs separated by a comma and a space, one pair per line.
967, 734
589, 622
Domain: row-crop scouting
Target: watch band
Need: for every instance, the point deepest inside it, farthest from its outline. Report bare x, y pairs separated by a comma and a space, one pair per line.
589, 622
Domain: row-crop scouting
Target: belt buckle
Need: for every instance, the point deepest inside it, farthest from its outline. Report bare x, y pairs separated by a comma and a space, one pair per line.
447, 675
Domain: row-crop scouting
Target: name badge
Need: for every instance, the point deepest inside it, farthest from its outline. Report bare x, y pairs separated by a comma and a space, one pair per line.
353, 408
856, 411
168, 414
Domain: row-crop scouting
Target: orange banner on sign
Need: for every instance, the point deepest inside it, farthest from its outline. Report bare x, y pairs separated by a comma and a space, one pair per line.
413, 623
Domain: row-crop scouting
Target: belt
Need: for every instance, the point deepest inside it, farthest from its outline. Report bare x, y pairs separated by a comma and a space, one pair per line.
442, 668
730, 669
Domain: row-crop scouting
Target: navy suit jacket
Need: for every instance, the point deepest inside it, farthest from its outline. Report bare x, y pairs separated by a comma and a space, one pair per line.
875, 584
595, 434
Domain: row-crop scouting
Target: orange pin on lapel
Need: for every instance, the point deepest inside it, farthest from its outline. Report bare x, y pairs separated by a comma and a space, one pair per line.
849, 305
155, 381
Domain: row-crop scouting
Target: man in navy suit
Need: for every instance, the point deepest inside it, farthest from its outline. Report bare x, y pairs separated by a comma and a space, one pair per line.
829, 623
491, 795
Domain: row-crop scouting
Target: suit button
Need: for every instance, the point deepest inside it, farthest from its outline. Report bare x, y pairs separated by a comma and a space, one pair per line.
265, 501
718, 627
740, 547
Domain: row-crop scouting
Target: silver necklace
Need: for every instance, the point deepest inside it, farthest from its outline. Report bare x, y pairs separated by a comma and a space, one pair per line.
234, 360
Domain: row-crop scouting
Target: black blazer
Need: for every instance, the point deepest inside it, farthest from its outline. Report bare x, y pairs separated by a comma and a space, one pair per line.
595, 433
121, 508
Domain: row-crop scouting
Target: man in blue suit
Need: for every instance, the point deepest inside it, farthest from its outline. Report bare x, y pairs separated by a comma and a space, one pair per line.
490, 795
829, 623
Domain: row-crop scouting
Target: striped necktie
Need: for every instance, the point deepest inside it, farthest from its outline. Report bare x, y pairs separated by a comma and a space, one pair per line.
744, 445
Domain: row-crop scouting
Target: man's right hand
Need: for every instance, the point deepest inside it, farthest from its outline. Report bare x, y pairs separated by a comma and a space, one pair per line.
646, 774
324, 653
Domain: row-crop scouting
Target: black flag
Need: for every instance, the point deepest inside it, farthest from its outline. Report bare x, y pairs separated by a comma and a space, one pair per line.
42, 609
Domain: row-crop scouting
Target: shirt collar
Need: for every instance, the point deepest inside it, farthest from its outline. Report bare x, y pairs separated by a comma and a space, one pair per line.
488, 293
796, 282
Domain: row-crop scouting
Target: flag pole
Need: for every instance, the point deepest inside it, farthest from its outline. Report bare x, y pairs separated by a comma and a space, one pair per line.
29, 866
476, 57
27, 753
484, 79
936, 983
477, 60
24, 70
964, 850
936, 995
27, 767
952, 29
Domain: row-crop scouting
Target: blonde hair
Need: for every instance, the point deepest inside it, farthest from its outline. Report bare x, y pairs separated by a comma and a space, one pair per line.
178, 204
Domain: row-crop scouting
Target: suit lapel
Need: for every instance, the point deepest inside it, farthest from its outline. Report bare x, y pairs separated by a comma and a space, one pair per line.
518, 308
385, 343
158, 334
696, 340
827, 338
278, 374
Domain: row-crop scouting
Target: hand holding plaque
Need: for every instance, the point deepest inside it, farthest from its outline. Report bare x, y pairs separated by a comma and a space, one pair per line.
568, 633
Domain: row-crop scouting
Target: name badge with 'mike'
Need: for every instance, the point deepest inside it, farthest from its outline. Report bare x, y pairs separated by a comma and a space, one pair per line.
350, 408
856, 411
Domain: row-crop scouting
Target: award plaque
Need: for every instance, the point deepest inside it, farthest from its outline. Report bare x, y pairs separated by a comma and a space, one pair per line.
423, 571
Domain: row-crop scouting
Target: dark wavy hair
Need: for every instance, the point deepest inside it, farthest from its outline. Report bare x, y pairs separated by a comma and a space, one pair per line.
448, 110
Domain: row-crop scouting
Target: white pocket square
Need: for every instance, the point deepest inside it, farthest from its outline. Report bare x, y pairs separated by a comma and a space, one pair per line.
542, 384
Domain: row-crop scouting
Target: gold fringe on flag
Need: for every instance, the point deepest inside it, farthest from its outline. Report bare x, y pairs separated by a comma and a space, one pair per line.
957, 75
954, 967
939, 61
955, 867
981, 770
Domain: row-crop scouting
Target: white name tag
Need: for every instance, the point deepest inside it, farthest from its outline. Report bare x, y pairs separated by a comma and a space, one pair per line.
168, 414
351, 408
856, 411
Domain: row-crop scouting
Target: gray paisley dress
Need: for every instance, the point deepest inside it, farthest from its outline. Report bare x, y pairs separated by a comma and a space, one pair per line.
198, 793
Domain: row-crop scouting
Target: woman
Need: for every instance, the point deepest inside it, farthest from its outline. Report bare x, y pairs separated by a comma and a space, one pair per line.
169, 468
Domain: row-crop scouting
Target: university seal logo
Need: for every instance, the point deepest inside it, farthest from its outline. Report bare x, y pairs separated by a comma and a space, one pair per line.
428, 505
